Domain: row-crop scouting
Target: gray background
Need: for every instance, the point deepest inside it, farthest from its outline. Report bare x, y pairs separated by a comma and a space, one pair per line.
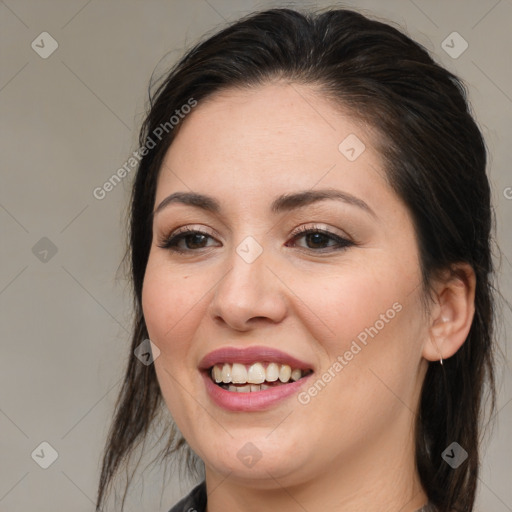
68, 123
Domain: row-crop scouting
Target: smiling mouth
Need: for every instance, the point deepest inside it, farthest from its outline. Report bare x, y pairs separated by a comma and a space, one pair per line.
241, 378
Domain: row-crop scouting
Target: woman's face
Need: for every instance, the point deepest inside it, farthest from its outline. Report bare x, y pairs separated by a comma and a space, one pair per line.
276, 276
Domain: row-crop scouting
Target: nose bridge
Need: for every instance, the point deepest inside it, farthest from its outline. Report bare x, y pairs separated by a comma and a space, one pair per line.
248, 290
247, 276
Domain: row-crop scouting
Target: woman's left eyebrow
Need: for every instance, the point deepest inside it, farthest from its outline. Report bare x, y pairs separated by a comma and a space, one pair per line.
288, 202
284, 202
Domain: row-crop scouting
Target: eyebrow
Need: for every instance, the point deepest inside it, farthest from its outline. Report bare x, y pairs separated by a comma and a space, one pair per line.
285, 202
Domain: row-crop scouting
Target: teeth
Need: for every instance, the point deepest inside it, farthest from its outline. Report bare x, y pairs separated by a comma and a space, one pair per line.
272, 372
296, 375
238, 374
217, 374
285, 372
248, 388
226, 373
255, 376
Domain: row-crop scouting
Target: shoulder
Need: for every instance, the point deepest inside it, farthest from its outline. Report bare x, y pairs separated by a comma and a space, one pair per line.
195, 501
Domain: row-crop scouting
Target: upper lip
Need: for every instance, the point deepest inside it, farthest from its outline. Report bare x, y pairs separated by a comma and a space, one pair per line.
251, 355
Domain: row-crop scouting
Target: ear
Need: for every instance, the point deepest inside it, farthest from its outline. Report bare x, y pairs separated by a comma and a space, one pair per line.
452, 314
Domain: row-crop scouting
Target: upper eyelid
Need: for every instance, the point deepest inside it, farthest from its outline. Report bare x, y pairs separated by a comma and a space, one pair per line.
319, 227
297, 231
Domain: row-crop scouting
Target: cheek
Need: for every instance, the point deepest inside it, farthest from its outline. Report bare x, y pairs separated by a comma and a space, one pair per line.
357, 304
368, 324
368, 379
170, 302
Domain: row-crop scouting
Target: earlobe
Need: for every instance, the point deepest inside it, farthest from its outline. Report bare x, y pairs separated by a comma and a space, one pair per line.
452, 316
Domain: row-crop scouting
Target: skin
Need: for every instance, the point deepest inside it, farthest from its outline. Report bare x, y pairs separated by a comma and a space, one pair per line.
351, 448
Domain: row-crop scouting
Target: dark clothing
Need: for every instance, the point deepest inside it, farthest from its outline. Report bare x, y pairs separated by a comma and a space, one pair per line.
196, 502
193, 502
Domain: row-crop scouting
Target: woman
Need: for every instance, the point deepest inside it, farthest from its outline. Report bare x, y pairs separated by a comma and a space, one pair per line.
310, 248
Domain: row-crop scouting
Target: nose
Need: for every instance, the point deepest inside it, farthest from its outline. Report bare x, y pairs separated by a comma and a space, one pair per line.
249, 294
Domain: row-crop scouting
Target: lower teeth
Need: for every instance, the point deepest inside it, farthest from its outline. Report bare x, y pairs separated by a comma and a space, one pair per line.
248, 388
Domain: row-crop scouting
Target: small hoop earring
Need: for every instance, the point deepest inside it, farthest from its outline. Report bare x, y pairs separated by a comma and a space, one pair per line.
440, 354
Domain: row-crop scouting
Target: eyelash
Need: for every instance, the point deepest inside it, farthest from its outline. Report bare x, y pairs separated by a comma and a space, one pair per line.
171, 242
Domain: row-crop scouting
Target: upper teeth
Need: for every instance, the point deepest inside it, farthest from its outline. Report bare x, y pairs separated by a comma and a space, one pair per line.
256, 373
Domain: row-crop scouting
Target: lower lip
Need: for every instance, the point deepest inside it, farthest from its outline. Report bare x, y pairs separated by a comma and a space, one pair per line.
254, 400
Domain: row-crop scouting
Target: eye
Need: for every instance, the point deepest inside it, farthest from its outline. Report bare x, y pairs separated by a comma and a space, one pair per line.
316, 239
321, 240
186, 240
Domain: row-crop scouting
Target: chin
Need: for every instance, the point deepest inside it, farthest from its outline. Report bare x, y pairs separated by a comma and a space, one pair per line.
257, 461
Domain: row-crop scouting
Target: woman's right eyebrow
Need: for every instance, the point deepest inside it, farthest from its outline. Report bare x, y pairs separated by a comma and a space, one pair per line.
284, 202
190, 198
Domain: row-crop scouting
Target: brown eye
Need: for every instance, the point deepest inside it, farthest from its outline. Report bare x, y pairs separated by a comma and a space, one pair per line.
186, 241
316, 240
320, 240
195, 241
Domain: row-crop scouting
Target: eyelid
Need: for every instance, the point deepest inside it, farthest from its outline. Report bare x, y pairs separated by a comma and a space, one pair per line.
325, 228
189, 228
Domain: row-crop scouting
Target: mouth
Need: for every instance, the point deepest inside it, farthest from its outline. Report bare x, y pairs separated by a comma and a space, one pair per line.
255, 377
252, 379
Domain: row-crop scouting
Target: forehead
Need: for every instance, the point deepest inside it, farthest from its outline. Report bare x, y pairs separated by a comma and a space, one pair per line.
278, 137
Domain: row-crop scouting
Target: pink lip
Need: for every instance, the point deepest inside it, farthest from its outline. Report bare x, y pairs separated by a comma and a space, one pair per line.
252, 401
251, 355
256, 400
